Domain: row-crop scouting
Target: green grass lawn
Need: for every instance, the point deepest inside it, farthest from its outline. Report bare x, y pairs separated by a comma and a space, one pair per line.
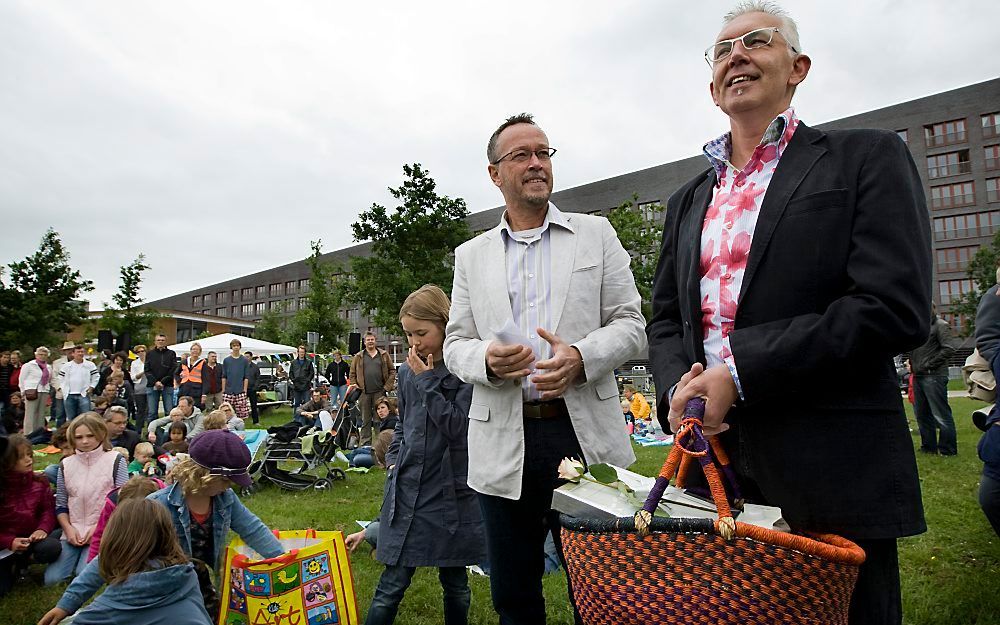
947, 573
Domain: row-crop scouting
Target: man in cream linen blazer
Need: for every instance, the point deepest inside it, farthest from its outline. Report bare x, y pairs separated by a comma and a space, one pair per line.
587, 311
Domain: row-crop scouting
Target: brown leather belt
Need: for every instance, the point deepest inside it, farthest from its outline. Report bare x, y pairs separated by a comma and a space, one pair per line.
553, 409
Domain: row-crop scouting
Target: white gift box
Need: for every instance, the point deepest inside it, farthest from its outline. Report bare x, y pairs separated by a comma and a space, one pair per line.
597, 501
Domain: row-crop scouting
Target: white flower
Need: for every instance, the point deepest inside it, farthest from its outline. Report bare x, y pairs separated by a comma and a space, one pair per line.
570, 470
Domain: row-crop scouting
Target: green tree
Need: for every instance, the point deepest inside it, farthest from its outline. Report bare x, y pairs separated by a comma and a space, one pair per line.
41, 302
273, 325
640, 235
982, 271
322, 310
412, 245
127, 315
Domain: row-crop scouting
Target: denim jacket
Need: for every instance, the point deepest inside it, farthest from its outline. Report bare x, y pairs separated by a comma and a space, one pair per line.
228, 512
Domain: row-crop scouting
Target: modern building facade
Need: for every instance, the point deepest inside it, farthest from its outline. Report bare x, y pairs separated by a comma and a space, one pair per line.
954, 137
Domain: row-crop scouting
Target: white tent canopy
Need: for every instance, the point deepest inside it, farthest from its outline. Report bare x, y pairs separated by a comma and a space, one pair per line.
220, 345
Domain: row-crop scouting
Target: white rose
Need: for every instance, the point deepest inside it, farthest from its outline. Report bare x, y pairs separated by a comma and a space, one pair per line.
570, 470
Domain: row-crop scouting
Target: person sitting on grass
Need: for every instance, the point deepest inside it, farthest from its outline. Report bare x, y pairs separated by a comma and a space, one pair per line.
178, 439
385, 410
144, 462
308, 412
100, 405
629, 417
84, 480
13, 413
60, 440
27, 512
233, 422
638, 404
150, 578
202, 509
135, 488
185, 411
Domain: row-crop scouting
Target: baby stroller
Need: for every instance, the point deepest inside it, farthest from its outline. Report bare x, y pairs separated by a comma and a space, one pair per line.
311, 449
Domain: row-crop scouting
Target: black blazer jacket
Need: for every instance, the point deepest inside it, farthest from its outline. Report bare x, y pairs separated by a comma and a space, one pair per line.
837, 282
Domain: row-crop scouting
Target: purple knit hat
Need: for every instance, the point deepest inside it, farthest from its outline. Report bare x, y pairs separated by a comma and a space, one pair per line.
222, 453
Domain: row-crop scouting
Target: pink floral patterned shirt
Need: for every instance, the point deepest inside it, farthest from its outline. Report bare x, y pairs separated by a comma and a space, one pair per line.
727, 232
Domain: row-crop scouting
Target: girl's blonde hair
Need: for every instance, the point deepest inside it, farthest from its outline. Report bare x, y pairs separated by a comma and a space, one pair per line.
122, 451
194, 478
428, 303
94, 423
139, 531
216, 420
226, 406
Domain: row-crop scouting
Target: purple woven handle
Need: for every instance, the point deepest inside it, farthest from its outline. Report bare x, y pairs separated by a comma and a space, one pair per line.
695, 409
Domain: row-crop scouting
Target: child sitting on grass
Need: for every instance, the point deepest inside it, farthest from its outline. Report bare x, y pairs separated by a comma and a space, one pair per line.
136, 487
177, 443
60, 440
150, 579
84, 480
144, 462
27, 512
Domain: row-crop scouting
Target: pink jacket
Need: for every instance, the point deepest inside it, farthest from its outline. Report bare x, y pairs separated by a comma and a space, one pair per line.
89, 477
110, 503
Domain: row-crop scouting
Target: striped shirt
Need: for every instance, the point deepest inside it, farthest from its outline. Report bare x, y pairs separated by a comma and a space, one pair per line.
78, 377
529, 284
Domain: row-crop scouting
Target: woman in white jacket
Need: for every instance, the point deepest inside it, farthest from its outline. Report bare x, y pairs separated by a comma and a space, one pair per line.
35, 380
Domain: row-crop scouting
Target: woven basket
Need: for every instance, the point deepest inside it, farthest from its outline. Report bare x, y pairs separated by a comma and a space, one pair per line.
698, 571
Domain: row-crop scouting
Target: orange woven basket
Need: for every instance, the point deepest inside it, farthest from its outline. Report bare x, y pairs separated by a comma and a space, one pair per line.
647, 569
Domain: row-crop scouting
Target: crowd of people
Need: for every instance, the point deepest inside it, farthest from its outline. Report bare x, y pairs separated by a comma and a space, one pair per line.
770, 277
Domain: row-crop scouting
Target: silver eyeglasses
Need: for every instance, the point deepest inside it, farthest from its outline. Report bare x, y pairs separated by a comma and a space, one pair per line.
751, 41
521, 155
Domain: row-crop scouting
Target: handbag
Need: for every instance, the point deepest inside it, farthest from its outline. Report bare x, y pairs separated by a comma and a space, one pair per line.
651, 569
310, 583
31, 394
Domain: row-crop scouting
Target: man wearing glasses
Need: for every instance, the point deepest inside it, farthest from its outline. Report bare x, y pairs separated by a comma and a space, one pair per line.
792, 271
543, 308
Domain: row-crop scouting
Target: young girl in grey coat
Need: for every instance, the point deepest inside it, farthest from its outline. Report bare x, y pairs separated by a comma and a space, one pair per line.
430, 516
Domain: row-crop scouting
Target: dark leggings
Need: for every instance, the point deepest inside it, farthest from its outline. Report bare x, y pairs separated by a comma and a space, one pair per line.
45, 551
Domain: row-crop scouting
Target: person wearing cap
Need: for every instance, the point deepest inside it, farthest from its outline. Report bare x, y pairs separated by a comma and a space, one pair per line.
203, 510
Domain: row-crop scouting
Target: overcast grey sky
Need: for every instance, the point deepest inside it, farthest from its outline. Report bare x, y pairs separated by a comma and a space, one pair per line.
220, 137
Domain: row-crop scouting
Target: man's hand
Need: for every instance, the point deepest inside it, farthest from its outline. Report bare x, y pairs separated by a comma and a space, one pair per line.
508, 362
716, 385
53, 616
561, 370
38, 535
152, 437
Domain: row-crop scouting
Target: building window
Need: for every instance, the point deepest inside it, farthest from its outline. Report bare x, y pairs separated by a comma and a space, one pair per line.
945, 133
904, 135
261, 292
598, 212
951, 195
991, 125
354, 317
189, 330
274, 290
290, 304
650, 211
234, 312
220, 312
955, 258
304, 285
957, 322
991, 156
966, 226
302, 303
246, 294
220, 297
993, 189
950, 290
948, 164
195, 302
259, 308
236, 296
290, 287
246, 310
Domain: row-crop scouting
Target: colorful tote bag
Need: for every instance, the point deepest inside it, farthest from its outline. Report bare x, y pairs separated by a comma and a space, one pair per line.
310, 584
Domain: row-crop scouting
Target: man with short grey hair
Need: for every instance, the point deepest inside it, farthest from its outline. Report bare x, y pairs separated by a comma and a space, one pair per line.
798, 256
528, 329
